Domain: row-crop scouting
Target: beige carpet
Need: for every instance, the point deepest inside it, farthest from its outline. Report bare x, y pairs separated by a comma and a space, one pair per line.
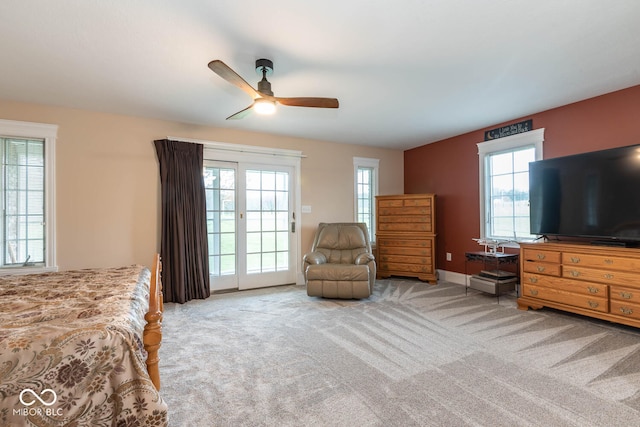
411, 355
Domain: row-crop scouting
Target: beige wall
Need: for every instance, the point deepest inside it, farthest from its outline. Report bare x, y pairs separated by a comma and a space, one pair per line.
108, 188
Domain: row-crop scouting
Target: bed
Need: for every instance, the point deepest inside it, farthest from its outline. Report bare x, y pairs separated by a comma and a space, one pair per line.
80, 348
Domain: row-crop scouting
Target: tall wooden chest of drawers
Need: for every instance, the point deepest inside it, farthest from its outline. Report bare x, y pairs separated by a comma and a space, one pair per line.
405, 236
596, 281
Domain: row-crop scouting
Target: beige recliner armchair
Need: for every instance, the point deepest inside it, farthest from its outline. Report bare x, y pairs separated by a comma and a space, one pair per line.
340, 264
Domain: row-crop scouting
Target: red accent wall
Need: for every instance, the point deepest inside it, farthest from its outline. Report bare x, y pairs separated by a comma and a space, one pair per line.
449, 168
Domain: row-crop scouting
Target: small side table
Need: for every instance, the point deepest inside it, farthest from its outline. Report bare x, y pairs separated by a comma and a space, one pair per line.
493, 262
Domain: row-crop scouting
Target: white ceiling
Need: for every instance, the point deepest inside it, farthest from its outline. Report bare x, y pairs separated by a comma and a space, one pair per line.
406, 73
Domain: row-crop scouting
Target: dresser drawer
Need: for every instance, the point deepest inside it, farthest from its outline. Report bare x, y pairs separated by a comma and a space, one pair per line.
626, 309
405, 268
596, 275
561, 296
574, 286
404, 250
418, 201
390, 242
543, 268
625, 294
602, 261
402, 259
424, 227
404, 202
388, 214
390, 203
542, 255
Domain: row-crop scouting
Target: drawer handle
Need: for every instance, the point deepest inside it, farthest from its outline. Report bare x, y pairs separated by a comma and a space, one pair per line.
592, 290
626, 295
540, 268
533, 279
541, 256
574, 273
533, 292
575, 260
626, 310
608, 276
608, 261
593, 304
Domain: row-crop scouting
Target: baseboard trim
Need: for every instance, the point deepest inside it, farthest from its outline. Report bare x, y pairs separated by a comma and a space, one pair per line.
300, 279
452, 277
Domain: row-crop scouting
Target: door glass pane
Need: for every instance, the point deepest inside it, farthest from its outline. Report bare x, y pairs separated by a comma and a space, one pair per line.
267, 221
254, 263
253, 200
282, 221
221, 220
282, 242
254, 243
253, 221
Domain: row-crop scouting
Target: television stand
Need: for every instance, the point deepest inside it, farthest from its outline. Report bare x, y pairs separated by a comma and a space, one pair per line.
596, 281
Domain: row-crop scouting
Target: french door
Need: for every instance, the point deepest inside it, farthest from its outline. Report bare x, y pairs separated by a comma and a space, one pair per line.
250, 224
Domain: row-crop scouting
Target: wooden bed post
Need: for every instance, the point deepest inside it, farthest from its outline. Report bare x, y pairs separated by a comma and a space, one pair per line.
152, 335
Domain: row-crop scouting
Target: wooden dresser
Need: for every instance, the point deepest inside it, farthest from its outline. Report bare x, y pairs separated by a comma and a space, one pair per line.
405, 236
596, 281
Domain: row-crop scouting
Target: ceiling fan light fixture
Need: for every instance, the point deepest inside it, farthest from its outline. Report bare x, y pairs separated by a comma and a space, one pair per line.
264, 106
264, 101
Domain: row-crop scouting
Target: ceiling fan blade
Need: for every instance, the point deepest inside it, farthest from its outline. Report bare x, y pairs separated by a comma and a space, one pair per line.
309, 102
224, 71
242, 113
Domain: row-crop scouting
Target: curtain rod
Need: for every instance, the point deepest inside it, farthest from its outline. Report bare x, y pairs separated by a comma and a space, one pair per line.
240, 148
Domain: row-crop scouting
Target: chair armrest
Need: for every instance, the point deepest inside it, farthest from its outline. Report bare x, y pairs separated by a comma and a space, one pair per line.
314, 258
364, 258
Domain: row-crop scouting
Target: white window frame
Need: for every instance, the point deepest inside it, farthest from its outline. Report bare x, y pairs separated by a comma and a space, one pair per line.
533, 138
374, 164
48, 133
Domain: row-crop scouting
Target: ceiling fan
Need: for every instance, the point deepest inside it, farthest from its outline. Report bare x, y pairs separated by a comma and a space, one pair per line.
263, 100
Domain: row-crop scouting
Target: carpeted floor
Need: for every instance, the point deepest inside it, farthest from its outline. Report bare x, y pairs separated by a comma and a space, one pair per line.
411, 355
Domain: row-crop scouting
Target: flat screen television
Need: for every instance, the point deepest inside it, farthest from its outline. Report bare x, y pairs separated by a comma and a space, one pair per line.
593, 195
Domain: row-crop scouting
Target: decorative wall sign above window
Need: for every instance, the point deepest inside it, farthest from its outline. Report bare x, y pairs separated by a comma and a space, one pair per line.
512, 129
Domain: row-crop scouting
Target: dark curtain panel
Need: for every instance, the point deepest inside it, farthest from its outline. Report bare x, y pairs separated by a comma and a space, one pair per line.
183, 246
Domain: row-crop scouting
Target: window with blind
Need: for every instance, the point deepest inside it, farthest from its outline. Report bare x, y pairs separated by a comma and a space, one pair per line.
26, 191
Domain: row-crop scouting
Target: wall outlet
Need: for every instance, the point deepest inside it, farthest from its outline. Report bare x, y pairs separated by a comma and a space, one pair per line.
448, 256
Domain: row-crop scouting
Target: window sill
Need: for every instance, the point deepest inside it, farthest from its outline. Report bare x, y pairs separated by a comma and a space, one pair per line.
513, 244
8, 271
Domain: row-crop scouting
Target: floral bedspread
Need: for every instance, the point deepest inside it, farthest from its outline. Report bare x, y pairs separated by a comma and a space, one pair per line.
71, 350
